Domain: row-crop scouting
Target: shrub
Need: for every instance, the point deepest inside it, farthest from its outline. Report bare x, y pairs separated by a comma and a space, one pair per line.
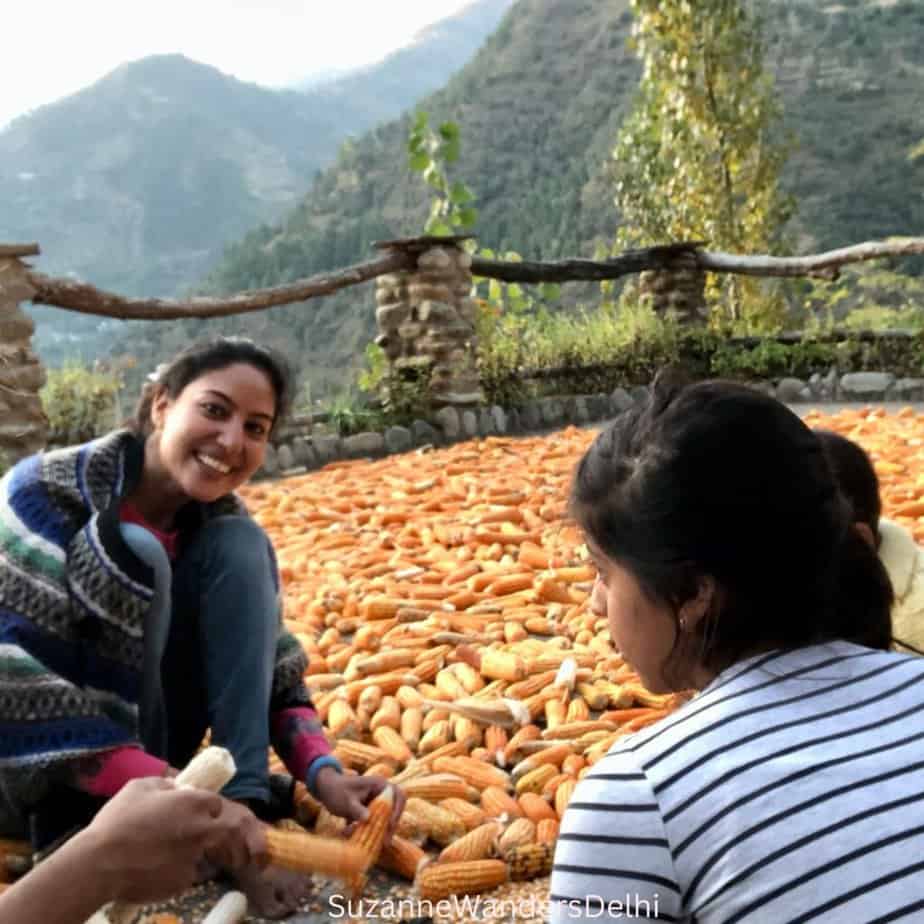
80, 403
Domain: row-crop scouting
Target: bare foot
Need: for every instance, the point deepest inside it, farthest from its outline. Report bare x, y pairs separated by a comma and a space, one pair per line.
273, 892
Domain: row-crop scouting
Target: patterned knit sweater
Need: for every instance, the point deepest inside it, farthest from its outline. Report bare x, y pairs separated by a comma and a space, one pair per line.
73, 598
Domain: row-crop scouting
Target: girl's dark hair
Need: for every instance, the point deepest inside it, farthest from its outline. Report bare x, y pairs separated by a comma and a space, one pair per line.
718, 480
855, 475
208, 356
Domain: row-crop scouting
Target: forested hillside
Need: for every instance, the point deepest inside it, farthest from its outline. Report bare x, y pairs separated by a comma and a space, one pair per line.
539, 108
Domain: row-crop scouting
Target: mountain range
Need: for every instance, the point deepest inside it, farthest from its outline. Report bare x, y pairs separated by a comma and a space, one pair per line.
137, 182
539, 107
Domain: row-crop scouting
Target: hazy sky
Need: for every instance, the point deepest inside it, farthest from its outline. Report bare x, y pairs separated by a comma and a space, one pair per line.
52, 48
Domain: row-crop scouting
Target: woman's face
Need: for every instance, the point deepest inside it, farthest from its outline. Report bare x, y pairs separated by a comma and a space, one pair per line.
212, 437
641, 630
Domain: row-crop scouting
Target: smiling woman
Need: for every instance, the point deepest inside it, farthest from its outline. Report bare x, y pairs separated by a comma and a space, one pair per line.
139, 609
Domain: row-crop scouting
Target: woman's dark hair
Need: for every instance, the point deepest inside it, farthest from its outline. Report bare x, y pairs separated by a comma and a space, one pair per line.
208, 356
855, 475
718, 480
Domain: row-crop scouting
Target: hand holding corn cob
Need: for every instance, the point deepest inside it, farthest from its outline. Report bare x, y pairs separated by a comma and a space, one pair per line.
348, 796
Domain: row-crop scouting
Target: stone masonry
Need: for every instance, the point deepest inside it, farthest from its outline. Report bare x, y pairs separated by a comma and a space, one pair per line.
426, 320
23, 425
680, 291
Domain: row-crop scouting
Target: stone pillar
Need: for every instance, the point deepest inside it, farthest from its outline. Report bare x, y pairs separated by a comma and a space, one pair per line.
23, 425
426, 319
680, 290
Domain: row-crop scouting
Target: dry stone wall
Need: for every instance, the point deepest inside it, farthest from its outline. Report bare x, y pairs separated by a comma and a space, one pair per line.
23, 425
679, 291
426, 320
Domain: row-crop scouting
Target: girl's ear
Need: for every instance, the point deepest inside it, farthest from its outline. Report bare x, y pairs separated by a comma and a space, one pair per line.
159, 404
694, 609
868, 535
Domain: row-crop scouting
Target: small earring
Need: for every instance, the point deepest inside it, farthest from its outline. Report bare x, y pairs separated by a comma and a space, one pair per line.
683, 623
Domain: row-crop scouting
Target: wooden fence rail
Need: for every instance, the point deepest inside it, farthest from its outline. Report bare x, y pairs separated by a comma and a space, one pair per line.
87, 299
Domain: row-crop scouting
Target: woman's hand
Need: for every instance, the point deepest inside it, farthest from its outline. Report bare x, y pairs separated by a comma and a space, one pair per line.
149, 840
347, 795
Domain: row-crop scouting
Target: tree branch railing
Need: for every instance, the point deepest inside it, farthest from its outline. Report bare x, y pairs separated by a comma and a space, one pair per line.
87, 299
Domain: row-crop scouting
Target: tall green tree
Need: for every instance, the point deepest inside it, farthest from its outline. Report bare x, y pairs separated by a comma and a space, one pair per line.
699, 157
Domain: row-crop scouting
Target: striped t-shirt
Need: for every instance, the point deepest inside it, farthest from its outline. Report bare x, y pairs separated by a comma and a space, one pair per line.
790, 789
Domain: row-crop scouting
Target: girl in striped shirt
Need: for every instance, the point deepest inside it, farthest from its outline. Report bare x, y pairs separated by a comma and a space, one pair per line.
788, 788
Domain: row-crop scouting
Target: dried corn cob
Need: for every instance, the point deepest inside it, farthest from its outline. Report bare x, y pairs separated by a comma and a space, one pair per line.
231, 908
388, 713
210, 769
495, 741
529, 861
475, 772
440, 825
439, 880
360, 755
472, 815
435, 737
547, 831
342, 721
478, 844
496, 802
519, 831
578, 710
502, 665
536, 808
549, 789
308, 853
402, 857
392, 744
577, 729
411, 725
369, 835
508, 713
532, 685
408, 698
449, 684
552, 756
465, 731
555, 712
526, 733
438, 786
563, 797
535, 779
386, 661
